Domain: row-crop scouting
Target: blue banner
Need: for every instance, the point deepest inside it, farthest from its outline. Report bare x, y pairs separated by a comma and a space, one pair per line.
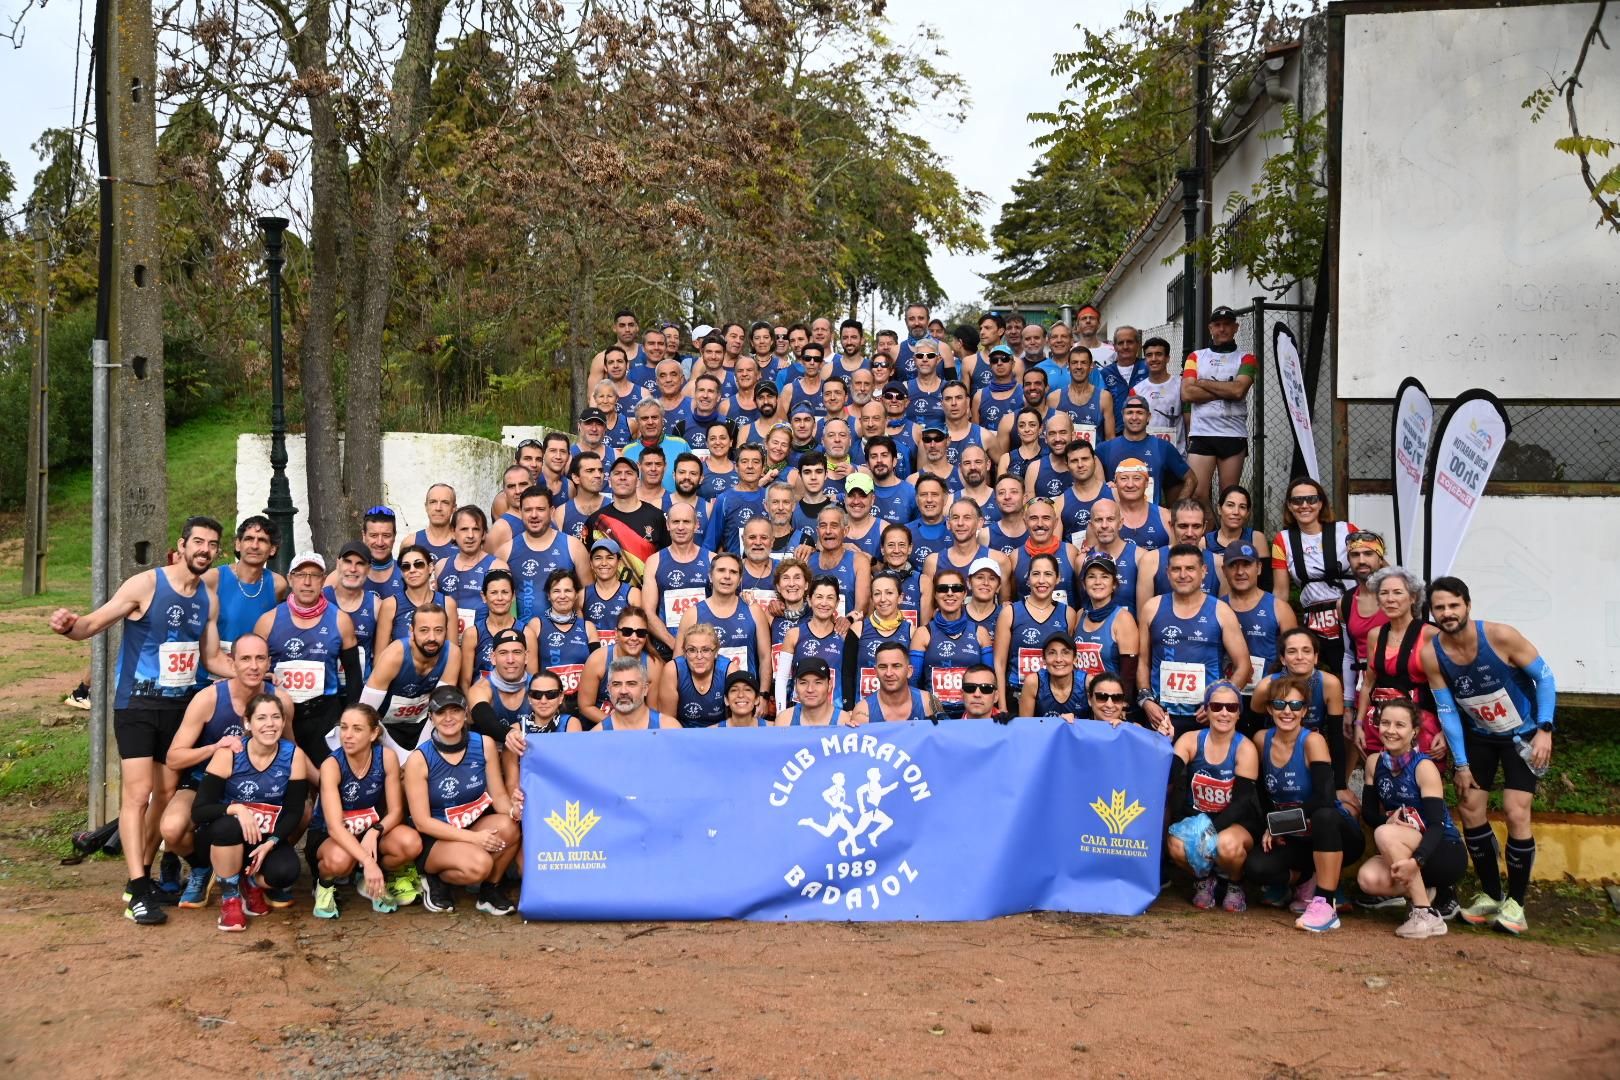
964, 820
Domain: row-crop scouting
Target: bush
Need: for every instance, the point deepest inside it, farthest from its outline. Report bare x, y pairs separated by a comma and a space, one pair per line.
69, 398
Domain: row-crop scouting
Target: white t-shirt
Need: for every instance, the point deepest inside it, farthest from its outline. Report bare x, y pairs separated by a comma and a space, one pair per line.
1220, 418
1166, 421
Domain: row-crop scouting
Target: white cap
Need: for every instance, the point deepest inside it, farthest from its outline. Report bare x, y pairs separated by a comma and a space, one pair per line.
984, 562
701, 331
310, 558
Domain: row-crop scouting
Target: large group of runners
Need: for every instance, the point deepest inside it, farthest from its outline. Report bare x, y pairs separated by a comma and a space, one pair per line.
776, 526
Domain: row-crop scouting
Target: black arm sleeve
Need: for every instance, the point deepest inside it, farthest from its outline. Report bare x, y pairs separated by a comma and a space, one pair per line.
1372, 811
210, 802
1323, 795
485, 722
1434, 827
1333, 733
1176, 801
354, 679
292, 809
850, 672
1244, 804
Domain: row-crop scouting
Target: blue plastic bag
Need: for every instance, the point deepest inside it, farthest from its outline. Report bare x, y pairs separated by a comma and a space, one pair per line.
1197, 835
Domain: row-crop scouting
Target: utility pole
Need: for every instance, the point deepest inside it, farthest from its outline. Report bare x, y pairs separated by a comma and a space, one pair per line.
36, 529
133, 472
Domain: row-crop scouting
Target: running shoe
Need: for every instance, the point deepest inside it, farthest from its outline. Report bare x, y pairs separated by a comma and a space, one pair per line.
1447, 907
383, 903
1378, 903
231, 916
199, 884
1511, 917
1235, 901
1274, 895
78, 699
406, 885
492, 901
1482, 912
436, 895
1424, 922
144, 910
279, 897
169, 873
1319, 917
253, 897
1304, 893
164, 897
325, 901
1203, 897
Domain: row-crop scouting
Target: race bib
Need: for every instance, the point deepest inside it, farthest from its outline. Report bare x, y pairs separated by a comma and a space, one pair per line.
678, 602
1323, 620
1495, 712
1158, 431
910, 616
1088, 657
468, 812
358, 821
226, 647
404, 710
465, 617
569, 674
763, 597
264, 815
1254, 677
738, 655
1086, 433
1210, 794
1060, 597
177, 664
947, 684
1031, 662
603, 637
869, 681
302, 679
1181, 683
1410, 817
780, 659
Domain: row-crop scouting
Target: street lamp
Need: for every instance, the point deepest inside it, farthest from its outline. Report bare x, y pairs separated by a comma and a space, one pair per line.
281, 510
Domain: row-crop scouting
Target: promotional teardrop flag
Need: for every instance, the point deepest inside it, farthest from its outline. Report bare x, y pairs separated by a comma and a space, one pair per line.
1291, 377
1471, 436
1411, 424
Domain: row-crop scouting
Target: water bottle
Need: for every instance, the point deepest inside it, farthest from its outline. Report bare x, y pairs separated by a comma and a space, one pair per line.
1529, 755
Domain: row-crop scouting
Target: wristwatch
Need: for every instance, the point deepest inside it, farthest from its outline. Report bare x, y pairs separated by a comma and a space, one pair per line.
1143, 696
1545, 725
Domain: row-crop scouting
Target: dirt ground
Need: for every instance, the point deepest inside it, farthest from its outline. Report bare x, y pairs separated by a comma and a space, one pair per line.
85, 993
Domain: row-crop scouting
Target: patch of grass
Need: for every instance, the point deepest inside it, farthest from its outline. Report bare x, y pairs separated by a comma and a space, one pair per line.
1585, 773
36, 759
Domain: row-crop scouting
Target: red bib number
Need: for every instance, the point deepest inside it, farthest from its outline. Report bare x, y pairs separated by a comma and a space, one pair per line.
358, 821
264, 815
1088, 657
947, 683
869, 681
569, 674
1210, 795
177, 663
464, 815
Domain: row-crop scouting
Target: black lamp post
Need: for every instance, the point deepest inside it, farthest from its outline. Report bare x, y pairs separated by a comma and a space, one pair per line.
281, 510
1191, 187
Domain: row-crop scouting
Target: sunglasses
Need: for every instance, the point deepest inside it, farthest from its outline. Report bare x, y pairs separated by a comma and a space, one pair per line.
634, 631
1363, 536
1109, 697
527, 444
1223, 707
894, 395
385, 511
414, 564
1304, 500
933, 436
979, 687
545, 695
781, 337
1289, 706
925, 356
950, 588
1001, 358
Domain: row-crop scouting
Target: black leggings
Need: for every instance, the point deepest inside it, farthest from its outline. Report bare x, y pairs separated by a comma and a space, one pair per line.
280, 867
1331, 830
312, 719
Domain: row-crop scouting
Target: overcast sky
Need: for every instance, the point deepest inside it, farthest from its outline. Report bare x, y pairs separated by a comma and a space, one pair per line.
1002, 51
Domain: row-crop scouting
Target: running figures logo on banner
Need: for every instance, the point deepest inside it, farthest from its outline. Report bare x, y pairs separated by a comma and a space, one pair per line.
1118, 816
857, 814
572, 829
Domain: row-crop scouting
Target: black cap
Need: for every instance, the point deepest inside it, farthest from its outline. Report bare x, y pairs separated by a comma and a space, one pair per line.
811, 665
1101, 561
355, 547
742, 678
1223, 313
587, 416
503, 637
767, 387
446, 697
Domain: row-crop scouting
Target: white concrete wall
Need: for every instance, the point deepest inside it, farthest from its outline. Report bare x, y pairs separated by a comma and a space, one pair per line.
411, 462
1138, 299
1551, 567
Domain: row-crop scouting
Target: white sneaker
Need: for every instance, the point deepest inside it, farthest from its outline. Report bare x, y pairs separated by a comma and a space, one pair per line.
1424, 922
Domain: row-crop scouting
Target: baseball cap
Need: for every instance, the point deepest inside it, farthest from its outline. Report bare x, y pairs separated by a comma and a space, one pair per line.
1101, 562
895, 386
446, 697
355, 547
503, 637
934, 425
802, 408
592, 415
858, 481
1137, 401
1003, 350
1241, 553
606, 544
701, 331
811, 665
312, 559
622, 460
1223, 313
984, 562
745, 678
766, 387
1132, 465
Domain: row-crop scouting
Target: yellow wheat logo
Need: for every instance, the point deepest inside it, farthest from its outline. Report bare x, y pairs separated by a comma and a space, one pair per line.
573, 828
1117, 817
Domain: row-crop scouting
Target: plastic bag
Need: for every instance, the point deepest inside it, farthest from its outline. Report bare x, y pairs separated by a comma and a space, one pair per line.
1197, 835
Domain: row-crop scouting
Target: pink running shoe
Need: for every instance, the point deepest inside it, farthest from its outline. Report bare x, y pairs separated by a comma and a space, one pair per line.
1319, 917
1235, 901
1203, 897
1303, 894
